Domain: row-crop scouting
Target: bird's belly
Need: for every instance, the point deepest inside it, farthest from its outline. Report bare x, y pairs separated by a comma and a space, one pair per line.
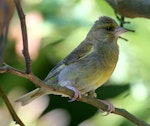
84, 78
93, 82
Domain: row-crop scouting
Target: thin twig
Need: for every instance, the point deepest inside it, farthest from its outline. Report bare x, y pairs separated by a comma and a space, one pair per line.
62, 90
10, 108
25, 50
123, 38
130, 117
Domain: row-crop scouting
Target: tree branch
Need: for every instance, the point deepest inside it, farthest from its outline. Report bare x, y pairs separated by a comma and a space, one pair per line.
25, 50
62, 90
10, 108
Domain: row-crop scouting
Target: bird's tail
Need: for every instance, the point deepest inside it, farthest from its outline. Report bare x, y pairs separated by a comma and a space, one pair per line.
27, 98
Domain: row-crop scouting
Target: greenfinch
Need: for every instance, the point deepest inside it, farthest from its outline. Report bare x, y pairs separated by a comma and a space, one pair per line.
88, 66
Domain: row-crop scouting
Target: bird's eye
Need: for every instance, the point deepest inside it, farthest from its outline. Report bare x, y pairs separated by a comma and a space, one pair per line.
109, 28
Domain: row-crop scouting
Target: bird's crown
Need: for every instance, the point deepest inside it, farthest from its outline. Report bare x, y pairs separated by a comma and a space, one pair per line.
105, 22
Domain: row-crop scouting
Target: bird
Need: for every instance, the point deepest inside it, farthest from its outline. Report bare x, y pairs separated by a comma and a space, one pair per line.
131, 8
88, 66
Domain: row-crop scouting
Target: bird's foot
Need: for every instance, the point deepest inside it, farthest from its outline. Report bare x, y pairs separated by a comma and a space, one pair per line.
110, 108
121, 19
122, 22
77, 94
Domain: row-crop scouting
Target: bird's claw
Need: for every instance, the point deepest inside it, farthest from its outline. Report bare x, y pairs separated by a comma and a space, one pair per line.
77, 94
110, 108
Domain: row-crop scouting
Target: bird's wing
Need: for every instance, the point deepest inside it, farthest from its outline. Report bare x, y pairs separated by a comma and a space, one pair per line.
83, 50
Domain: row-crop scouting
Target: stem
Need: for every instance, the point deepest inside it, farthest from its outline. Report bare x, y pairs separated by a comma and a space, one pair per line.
10, 108
25, 50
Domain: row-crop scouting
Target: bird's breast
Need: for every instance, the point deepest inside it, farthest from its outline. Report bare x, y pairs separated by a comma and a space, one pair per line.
90, 72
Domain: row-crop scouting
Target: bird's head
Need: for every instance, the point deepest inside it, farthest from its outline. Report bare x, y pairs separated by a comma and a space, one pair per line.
106, 29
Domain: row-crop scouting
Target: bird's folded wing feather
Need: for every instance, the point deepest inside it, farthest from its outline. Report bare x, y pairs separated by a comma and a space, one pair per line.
83, 50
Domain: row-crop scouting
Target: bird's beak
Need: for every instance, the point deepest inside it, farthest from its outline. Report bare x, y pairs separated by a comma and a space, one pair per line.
118, 31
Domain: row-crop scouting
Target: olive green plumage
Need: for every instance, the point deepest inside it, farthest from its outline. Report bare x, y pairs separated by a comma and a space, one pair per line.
89, 65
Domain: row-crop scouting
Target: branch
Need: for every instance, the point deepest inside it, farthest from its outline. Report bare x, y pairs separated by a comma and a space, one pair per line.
62, 90
10, 108
25, 50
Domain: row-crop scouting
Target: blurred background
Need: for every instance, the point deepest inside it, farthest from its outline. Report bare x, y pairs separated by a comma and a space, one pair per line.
55, 28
